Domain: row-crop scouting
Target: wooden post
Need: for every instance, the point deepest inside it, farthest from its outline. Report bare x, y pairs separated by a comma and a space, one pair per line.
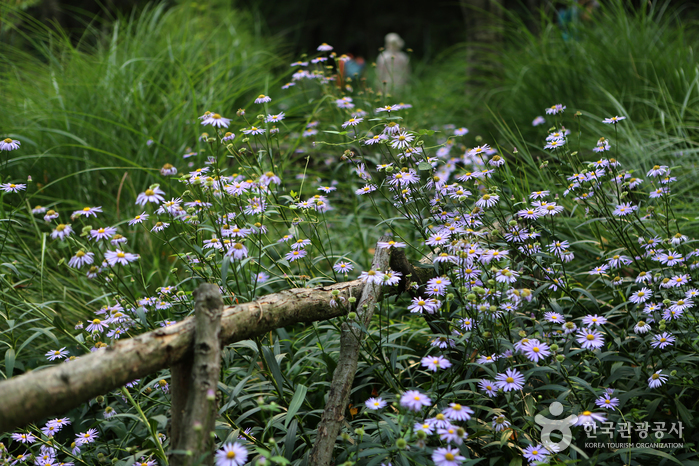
194, 383
343, 377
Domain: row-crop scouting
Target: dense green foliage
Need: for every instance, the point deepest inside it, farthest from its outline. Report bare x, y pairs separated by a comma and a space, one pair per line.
97, 121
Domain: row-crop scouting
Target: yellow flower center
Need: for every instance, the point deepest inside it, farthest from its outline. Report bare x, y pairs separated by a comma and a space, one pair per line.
510, 380
230, 455
121, 255
590, 336
655, 376
449, 457
587, 413
60, 227
96, 322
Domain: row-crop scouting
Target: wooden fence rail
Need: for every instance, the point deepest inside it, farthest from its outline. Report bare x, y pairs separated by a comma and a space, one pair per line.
55, 390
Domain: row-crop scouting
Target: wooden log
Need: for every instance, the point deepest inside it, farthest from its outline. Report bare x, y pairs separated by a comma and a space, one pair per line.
53, 391
343, 377
192, 439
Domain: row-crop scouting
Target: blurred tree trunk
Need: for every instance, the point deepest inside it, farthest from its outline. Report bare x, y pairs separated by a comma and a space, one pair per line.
51, 12
483, 35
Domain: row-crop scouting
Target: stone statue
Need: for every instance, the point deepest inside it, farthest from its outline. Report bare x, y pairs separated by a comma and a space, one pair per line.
392, 65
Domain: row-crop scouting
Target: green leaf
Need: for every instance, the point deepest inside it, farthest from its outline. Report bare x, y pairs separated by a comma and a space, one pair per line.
684, 412
653, 406
428, 132
141, 313
224, 269
38, 332
295, 404
424, 166
274, 368
638, 451
9, 362
290, 439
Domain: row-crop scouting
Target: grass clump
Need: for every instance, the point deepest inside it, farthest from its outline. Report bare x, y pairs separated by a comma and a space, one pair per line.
119, 101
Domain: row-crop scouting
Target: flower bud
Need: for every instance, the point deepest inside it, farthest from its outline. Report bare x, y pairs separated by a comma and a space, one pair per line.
560, 358
401, 443
351, 300
554, 347
420, 434
673, 373
352, 316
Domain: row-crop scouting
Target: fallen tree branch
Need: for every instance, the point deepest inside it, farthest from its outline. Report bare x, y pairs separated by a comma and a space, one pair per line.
192, 440
343, 377
53, 391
